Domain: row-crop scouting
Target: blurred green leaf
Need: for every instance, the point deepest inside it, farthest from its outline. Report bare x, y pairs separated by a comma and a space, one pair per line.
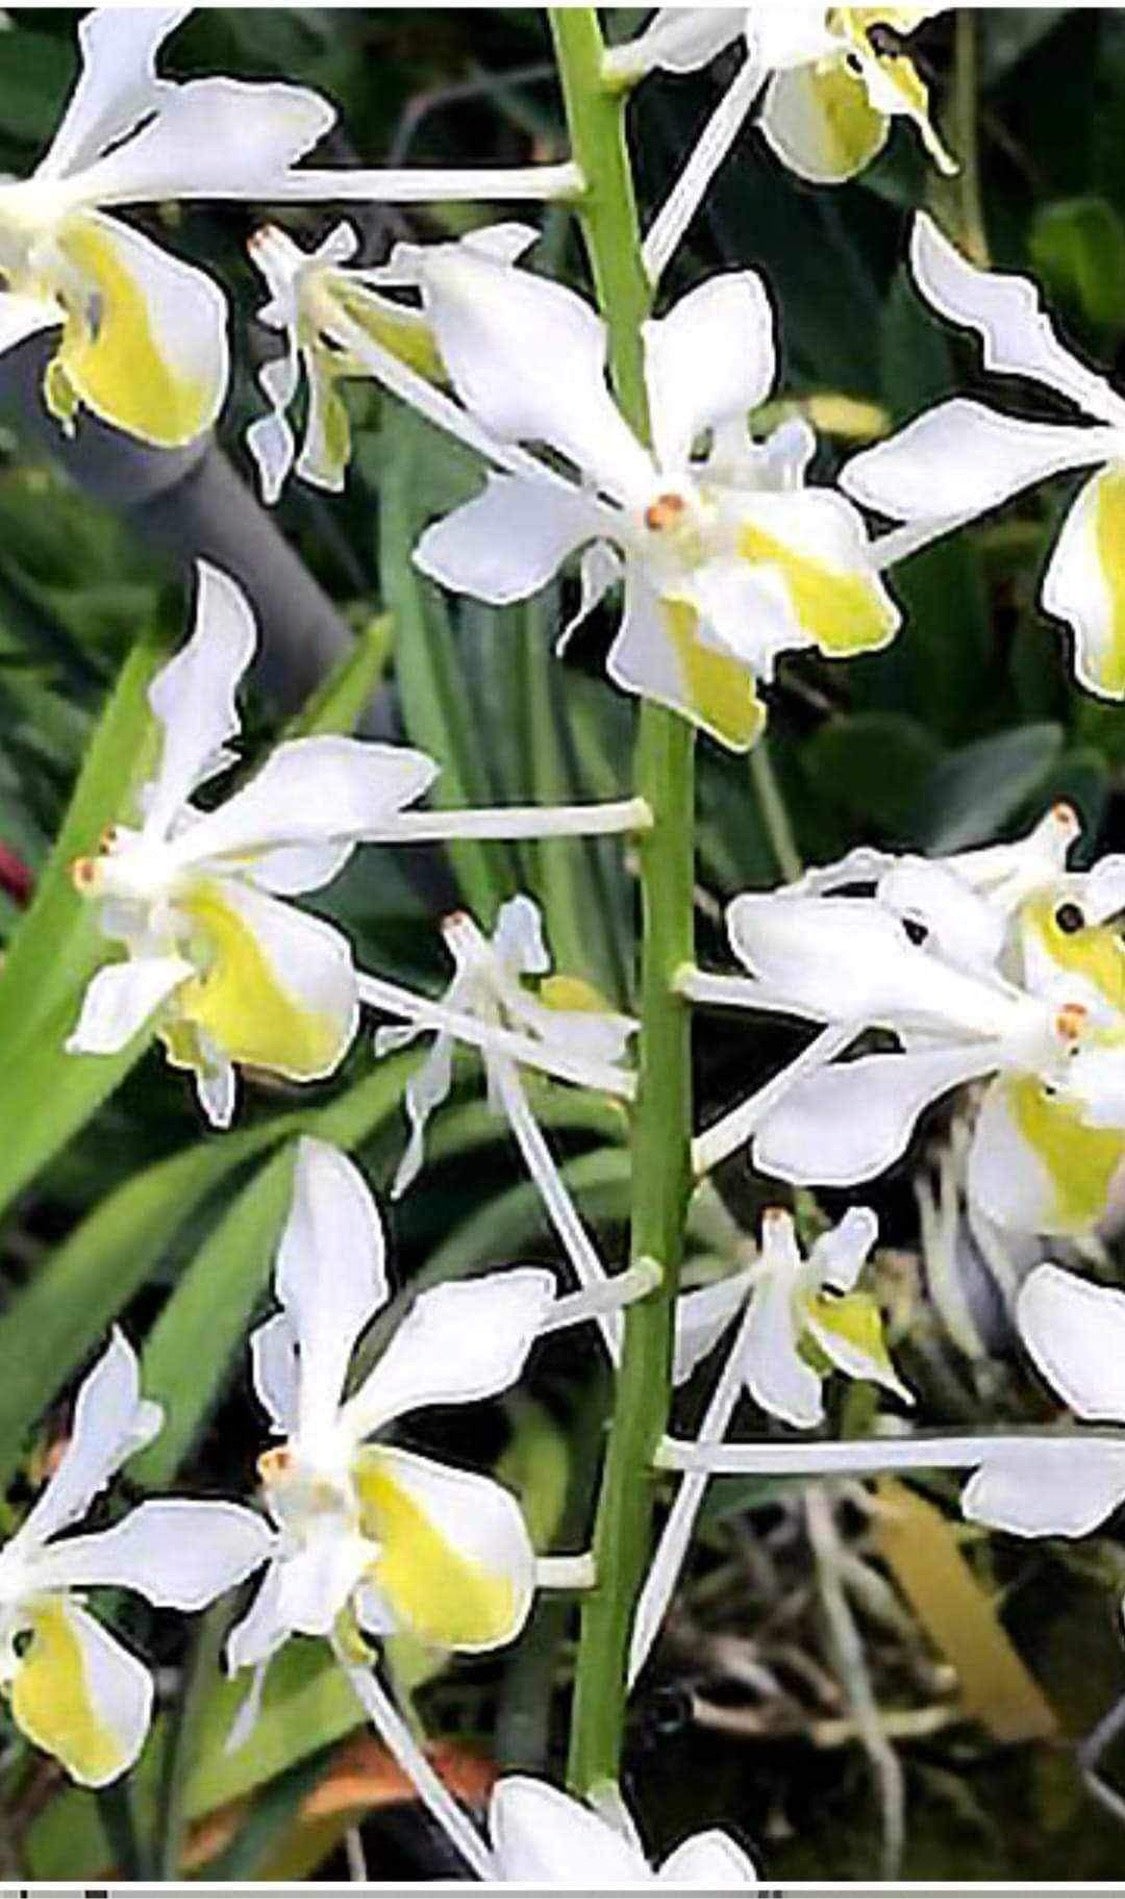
1078, 249
343, 695
872, 766
973, 793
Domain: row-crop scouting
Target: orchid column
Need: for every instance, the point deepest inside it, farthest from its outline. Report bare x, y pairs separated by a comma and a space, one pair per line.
662, 1127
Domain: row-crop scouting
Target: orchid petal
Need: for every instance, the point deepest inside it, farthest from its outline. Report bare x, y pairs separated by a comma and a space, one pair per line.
1035, 1166
111, 1421
961, 459
819, 121
711, 359
258, 1636
528, 359
331, 1275
542, 1837
1084, 584
317, 790
121, 998
676, 40
777, 1376
79, 1694
509, 541
145, 348
658, 654
193, 696
964, 926
1075, 1332
840, 1255
116, 85
279, 990
1063, 1489
702, 1316
813, 542
23, 316
1018, 337
459, 1342
709, 1862
177, 1553
852, 1122
275, 1372
454, 1560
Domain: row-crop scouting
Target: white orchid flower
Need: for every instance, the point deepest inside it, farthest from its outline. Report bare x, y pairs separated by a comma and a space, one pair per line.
373, 1539
144, 335
963, 458
1051, 1127
1066, 1486
800, 1319
727, 558
238, 975
562, 1027
543, 1837
313, 299
803, 1319
835, 79
72, 1687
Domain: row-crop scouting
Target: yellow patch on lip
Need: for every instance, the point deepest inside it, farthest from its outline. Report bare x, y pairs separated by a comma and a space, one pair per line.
1095, 951
442, 1597
51, 1700
719, 690
240, 1006
572, 996
855, 1320
1080, 1160
841, 612
115, 364
398, 328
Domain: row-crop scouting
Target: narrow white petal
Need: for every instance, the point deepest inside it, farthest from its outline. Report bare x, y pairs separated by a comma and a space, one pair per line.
840, 1255
116, 85
777, 1376
331, 1275
425, 1090
193, 697
274, 1366
120, 999
111, 1421
459, 1342
272, 447
1075, 1332
677, 40
177, 1553
509, 541
542, 1837
961, 459
1018, 337
852, 1122
216, 1088
710, 360
1048, 1489
702, 1316
257, 1637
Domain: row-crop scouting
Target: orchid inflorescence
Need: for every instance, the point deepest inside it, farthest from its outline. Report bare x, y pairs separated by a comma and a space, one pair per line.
992, 978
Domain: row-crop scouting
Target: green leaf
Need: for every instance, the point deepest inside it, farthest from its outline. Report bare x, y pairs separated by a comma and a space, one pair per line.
189, 1352
307, 1704
872, 767
1078, 249
58, 945
341, 698
62, 1314
536, 1465
973, 793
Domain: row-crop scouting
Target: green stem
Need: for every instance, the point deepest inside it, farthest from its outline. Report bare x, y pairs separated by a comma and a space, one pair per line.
662, 1126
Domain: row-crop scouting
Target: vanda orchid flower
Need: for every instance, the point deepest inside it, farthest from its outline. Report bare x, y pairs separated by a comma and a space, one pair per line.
144, 342
1036, 1003
72, 1687
562, 1027
835, 80
543, 1837
800, 1319
313, 297
962, 458
727, 558
373, 1539
239, 976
